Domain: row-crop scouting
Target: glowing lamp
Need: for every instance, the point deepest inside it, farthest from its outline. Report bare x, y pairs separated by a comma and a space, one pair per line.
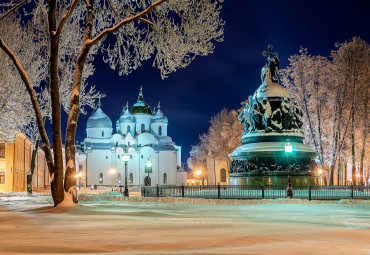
358, 175
288, 147
148, 164
125, 157
319, 171
112, 171
198, 172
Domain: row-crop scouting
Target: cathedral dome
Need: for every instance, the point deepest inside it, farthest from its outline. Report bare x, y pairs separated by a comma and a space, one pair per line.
159, 117
99, 120
126, 116
141, 106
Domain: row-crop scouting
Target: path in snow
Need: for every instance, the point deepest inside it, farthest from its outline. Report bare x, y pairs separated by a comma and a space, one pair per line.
175, 228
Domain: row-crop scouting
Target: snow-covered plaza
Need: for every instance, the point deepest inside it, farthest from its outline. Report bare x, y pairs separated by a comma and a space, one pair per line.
30, 225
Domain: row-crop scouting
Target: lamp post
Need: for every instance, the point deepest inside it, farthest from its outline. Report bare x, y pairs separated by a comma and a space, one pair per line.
198, 173
125, 159
358, 179
288, 150
319, 171
112, 171
148, 169
78, 177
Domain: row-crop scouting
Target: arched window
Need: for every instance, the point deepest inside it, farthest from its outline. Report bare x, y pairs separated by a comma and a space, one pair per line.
131, 178
160, 130
164, 178
128, 129
101, 178
102, 133
142, 127
222, 175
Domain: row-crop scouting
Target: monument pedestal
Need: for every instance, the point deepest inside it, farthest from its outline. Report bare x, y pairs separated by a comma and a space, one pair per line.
280, 180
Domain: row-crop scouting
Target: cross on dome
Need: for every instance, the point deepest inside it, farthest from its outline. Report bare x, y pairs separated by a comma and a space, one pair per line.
99, 103
140, 97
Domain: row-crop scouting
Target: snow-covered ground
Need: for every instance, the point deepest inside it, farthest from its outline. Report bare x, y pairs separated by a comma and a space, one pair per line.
30, 225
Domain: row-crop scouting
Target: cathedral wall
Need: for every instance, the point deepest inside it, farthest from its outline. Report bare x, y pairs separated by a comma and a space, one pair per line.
124, 125
99, 132
99, 162
155, 128
142, 119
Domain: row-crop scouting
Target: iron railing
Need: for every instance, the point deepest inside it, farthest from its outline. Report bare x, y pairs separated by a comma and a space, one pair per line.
258, 192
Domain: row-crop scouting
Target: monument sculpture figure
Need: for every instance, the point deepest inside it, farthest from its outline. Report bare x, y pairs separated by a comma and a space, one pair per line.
273, 63
271, 118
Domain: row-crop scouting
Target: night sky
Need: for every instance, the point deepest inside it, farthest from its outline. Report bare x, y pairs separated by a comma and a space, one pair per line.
191, 96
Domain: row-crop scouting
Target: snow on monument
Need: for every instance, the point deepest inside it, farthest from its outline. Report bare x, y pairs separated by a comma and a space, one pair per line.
272, 119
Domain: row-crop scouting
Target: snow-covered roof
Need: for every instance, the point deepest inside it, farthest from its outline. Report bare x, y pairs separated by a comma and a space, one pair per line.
164, 140
99, 120
167, 147
126, 116
271, 89
269, 149
159, 117
101, 146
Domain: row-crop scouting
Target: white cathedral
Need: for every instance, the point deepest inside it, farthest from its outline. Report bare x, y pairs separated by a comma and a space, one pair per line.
140, 133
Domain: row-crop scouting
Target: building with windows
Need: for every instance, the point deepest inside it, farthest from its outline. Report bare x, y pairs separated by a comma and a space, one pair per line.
140, 133
15, 158
217, 170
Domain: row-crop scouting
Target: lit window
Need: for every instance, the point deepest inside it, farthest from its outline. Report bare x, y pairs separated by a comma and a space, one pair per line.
222, 175
2, 177
2, 150
131, 178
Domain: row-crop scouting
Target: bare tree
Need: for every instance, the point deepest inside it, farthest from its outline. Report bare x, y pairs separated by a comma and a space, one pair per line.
173, 32
334, 96
222, 137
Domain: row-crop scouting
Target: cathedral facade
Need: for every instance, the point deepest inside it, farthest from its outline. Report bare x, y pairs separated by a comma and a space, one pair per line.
142, 135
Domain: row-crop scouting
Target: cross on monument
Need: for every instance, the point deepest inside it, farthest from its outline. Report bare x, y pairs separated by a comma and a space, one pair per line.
269, 53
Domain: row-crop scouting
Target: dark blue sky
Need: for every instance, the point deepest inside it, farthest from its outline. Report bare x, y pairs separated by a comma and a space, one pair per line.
191, 96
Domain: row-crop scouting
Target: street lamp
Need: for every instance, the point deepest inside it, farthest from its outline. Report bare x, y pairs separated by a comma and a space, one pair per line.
319, 171
198, 173
148, 169
125, 158
112, 171
358, 175
78, 177
288, 150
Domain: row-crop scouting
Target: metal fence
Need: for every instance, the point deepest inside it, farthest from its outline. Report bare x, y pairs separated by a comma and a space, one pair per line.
258, 192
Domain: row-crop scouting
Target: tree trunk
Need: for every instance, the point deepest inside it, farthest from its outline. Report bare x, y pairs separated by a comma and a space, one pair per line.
33, 164
57, 177
74, 107
353, 158
364, 137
